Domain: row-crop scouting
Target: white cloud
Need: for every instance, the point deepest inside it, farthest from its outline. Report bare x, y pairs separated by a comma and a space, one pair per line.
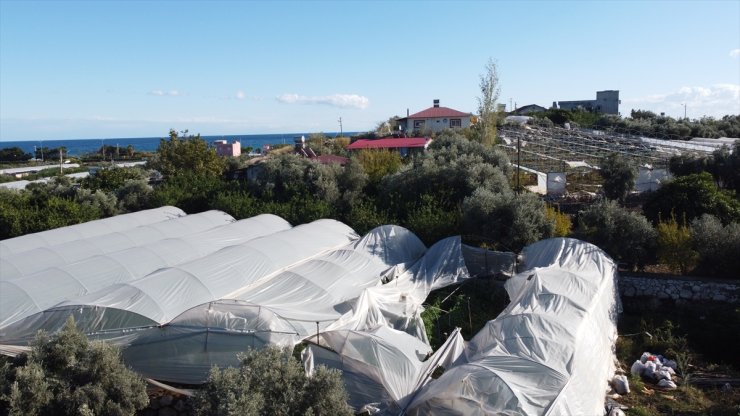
161, 93
714, 101
336, 100
735, 53
240, 95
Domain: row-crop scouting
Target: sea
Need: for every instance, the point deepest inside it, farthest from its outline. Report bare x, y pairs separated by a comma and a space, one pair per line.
79, 147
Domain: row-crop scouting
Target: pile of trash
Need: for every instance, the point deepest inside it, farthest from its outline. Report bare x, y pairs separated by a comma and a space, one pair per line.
657, 368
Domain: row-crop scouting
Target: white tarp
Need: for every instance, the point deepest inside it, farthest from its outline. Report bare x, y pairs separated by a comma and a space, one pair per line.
34, 293
550, 352
381, 368
160, 296
121, 222
37, 259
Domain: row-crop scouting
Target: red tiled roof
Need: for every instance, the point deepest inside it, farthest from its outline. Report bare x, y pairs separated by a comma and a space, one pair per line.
389, 143
436, 112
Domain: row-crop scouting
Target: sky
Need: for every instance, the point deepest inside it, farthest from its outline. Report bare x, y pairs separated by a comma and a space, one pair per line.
105, 69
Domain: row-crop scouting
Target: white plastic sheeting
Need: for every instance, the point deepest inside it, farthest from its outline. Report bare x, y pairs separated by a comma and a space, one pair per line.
121, 222
28, 295
398, 303
177, 322
280, 309
37, 259
159, 297
550, 352
381, 368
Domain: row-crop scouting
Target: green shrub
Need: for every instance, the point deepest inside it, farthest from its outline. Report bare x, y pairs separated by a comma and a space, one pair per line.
67, 375
675, 246
626, 236
271, 382
717, 246
507, 220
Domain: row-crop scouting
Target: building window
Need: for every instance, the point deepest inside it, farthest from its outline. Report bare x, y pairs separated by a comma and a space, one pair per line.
418, 124
455, 122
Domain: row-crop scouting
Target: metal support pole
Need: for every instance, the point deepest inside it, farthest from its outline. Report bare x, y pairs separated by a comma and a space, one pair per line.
518, 163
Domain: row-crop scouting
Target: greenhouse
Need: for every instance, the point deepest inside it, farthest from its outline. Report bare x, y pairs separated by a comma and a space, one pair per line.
180, 305
122, 223
28, 262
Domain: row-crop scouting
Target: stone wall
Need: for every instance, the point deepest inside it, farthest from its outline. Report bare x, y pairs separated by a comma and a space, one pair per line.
680, 288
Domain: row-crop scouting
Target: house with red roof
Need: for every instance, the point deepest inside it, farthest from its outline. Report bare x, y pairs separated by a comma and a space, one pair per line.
435, 119
403, 145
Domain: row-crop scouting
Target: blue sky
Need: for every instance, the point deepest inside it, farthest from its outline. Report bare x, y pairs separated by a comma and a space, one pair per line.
138, 68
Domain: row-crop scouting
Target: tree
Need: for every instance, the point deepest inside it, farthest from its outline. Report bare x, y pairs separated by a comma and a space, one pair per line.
190, 154
379, 163
691, 196
619, 176
627, 236
110, 180
271, 382
675, 246
490, 90
65, 374
717, 246
508, 220
14, 154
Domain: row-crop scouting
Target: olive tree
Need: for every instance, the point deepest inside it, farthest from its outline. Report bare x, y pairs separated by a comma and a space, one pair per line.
619, 176
627, 236
718, 245
271, 381
507, 220
189, 154
65, 374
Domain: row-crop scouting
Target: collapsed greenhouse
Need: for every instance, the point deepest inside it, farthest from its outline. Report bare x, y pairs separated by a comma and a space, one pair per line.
188, 300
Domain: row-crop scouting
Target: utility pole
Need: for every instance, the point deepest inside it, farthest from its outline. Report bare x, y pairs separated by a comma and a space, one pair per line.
684, 111
341, 132
518, 163
60, 161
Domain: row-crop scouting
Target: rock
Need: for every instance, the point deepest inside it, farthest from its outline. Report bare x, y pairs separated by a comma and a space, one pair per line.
719, 297
696, 288
685, 294
629, 292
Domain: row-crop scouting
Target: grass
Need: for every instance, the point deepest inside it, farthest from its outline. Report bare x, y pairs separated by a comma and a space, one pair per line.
699, 338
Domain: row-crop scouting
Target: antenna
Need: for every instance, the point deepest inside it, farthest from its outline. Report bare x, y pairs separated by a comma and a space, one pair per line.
341, 132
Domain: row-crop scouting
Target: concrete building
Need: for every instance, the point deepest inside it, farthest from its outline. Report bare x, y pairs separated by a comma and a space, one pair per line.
226, 149
606, 102
435, 119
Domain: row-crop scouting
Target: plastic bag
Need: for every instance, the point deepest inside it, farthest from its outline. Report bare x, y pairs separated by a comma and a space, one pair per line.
621, 384
667, 384
638, 368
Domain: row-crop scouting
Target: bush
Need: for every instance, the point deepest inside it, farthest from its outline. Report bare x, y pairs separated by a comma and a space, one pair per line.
562, 222
675, 246
619, 177
67, 375
507, 220
718, 246
271, 382
626, 236
691, 196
